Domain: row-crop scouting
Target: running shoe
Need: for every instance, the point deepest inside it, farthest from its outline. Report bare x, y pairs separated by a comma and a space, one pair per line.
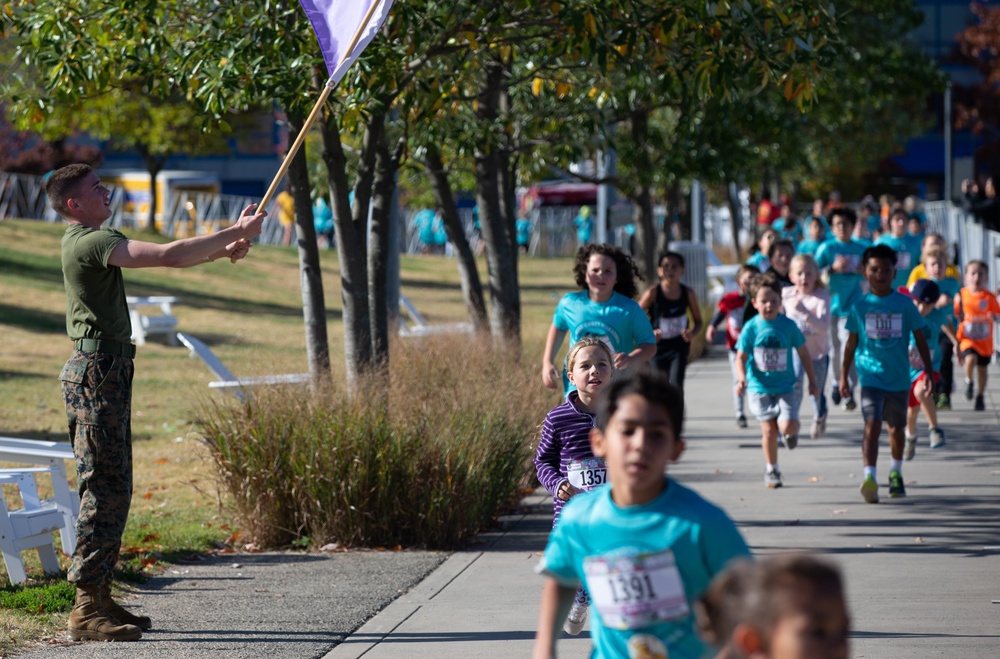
896, 487
576, 619
835, 395
781, 441
937, 438
944, 402
980, 404
741, 421
869, 490
910, 447
772, 479
818, 427
968, 389
850, 405
791, 441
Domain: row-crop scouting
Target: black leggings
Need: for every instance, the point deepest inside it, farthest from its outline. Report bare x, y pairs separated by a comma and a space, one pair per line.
945, 384
672, 360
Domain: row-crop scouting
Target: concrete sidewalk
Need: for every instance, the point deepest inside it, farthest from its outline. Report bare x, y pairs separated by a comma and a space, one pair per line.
921, 571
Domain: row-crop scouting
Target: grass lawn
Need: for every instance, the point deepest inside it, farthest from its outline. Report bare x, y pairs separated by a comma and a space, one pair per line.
251, 316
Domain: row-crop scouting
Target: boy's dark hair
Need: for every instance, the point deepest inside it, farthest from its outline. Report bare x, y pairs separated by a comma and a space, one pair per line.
981, 264
60, 183
671, 255
784, 242
879, 252
752, 269
766, 280
654, 387
846, 213
628, 272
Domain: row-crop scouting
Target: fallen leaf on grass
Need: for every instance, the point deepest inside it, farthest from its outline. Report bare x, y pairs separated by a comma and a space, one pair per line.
149, 562
150, 537
162, 461
147, 495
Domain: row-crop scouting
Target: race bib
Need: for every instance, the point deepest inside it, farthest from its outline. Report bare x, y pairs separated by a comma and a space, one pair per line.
903, 260
636, 591
734, 321
853, 261
671, 328
916, 363
884, 325
588, 473
977, 330
770, 359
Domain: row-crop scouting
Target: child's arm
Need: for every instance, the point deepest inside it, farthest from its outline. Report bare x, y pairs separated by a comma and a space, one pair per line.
548, 461
925, 357
741, 372
554, 607
646, 301
550, 376
958, 307
643, 353
849, 348
695, 308
807, 366
948, 331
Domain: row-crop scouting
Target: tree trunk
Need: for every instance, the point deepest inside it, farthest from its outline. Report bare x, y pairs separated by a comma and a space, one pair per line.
384, 183
735, 218
501, 253
351, 246
310, 275
154, 165
645, 235
472, 287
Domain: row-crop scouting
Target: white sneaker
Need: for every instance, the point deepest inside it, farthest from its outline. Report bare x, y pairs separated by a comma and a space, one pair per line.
576, 619
910, 448
818, 428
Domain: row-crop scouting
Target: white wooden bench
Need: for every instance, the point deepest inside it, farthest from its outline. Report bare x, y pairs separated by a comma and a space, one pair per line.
30, 527
53, 456
145, 323
227, 381
420, 326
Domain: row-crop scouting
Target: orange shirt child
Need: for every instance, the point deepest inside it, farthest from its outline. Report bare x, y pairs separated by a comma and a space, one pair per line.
976, 312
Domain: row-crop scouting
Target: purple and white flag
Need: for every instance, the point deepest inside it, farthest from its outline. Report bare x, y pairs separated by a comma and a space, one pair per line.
335, 23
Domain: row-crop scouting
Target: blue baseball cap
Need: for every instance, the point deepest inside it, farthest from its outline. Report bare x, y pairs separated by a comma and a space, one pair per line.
923, 290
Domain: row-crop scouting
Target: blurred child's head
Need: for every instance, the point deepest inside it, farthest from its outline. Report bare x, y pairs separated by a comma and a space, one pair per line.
788, 214
842, 223
590, 366
878, 266
815, 228
782, 607
817, 210
638, 433
744, 276
976, 275
671, 266
780, 255
765, 240
924, 293
765, 295
934, 261
913, 225
603, 269
933, 239
804, 273
897, 222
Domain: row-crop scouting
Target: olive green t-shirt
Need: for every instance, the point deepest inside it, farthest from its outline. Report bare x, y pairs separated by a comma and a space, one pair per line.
95, 291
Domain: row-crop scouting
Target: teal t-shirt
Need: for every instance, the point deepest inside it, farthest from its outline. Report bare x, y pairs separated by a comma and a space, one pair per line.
794, 234
769, 345
949, 286
599, 544
932, 332
760, 261
620, 322
884, 326
95, 291
808, 246
907, 255
845, 287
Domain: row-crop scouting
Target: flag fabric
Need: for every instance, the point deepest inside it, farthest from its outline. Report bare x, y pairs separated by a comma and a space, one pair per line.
335, 23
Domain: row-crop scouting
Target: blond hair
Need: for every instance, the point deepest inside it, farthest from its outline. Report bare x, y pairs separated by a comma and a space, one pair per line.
808, 260
587, 342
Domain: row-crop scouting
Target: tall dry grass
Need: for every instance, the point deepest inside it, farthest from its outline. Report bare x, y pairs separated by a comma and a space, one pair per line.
428, 458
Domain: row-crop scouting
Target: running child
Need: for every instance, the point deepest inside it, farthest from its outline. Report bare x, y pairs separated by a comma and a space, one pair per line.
646, 547
925, 293
782, 607
731, 310
764, 365
564, 461
759, 257
976, 309
605, 308
840, 257
880, 325
808, 304
934, 266
906, 246
780, 256
676, 315
816, 236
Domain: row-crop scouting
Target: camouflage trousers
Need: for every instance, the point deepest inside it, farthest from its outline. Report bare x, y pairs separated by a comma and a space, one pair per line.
97, 391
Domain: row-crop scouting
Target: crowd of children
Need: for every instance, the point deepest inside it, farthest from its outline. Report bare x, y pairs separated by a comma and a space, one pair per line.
870, 300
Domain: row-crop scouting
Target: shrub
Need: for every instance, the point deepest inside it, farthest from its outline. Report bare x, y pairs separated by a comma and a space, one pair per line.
429, 459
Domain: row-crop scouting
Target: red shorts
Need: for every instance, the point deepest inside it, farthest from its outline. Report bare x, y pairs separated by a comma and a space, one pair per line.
913, 387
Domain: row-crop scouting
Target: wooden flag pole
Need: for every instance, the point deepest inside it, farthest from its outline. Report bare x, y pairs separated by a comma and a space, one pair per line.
327, 90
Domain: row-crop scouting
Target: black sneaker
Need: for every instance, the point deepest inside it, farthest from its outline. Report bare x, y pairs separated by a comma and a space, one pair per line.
896, 487
741, 421
791, 441
835, 395
980, 404
968, 390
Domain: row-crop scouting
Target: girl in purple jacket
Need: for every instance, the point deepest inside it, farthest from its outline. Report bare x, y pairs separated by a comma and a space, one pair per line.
564, 461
